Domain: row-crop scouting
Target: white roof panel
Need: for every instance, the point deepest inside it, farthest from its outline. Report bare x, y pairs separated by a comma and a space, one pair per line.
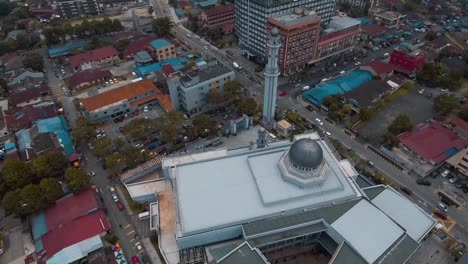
223, 192
368, 230
410, 216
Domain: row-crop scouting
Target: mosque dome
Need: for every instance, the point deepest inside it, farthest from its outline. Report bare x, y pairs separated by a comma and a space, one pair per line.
306, 153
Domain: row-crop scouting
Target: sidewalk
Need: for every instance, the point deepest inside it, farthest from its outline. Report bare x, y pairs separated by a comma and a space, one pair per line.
123, 198
151, 251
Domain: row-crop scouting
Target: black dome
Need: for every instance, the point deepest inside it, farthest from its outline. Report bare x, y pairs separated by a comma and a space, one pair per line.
306, 153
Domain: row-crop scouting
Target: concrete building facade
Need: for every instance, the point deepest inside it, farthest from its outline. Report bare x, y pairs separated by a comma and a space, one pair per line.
78, 8
252, 15
460, 161
162, 49
218, 16
360, 3
189, 89
299, 33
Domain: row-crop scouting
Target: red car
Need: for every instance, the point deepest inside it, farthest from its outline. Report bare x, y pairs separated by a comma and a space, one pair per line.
282, 93
441, 214
120, 206
135, 260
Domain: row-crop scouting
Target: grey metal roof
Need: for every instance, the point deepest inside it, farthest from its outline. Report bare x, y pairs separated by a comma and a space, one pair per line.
347, 254
244, 254
286, 234
219, 252
401, 251
328, 213
373, 191
306, 152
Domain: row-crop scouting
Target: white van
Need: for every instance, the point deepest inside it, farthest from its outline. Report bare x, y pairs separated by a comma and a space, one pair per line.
305, 88
386, 55
443, 207
272, 137
143, 215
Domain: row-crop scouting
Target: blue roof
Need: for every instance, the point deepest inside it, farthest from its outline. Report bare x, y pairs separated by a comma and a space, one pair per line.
38, 225
177, 64
24, 139
180, 12
66, 48
452, 151
339, 85
160, 43
207, 3
57, 125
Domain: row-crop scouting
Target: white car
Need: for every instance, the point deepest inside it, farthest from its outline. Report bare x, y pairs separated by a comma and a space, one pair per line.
324, 80
139, 247
328, 133
112, 189
318, 121
421, 91
115, 198
91, 173
444, 90
445, 173
357, 63
145, 109
205, 47
139, 145
452, 180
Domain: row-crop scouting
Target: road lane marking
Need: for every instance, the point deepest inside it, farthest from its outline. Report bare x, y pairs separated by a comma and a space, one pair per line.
131, 232
127, 226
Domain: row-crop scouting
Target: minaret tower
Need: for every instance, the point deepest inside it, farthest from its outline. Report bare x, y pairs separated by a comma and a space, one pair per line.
271, 74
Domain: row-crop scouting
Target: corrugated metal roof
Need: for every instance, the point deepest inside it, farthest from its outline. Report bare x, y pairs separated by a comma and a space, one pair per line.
346, 254
244, 254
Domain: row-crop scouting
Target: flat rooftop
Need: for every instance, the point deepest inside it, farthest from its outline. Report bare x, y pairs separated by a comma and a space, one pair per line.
293, 18
247, 186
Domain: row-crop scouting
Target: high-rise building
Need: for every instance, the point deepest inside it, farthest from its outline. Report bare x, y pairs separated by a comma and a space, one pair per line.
252, 16
271, 74
78, 8
299, 33
360, 3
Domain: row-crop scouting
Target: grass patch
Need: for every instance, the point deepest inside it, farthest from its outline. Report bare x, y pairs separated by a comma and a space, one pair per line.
111, 239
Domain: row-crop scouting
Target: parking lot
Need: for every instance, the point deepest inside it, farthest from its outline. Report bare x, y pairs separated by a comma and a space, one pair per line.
416, 106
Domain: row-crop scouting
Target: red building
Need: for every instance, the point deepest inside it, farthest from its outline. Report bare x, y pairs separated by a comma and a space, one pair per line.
299, 32
218, 16
408, 62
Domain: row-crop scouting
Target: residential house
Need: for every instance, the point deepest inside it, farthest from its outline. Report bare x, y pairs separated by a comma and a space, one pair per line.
94, 59
162, 49
11, 65
136, 46
390, 19
26, 80
379, 68
89, 78
407, 63
23, 118
30, 96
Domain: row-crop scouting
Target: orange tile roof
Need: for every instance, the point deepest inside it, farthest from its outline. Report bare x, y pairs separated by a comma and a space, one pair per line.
118, 94
164, 100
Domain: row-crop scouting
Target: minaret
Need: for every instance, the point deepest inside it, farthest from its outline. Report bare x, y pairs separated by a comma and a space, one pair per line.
271, 73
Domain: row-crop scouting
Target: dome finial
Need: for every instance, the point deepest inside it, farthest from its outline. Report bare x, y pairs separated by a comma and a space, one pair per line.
274, 31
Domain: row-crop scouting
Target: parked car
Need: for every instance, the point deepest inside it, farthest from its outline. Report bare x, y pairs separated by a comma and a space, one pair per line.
453, 180
139, 247
135, 260
406, 190
443, 207
328, 133
310, 108
92, 173
112, 189
421, 91
423, 182
115, 198
459, 185
139, 145
445, 173
440, 214
318, 121
120, 206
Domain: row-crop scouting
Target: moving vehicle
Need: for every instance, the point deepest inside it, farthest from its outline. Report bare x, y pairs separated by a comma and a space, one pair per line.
115, 198
120, 206
443, 207
342, 72
452, 180
423, 182
328, 133
205, 47
318, 121
310, 108
236, 65
306, 88
92, 173
421, 91
189, 35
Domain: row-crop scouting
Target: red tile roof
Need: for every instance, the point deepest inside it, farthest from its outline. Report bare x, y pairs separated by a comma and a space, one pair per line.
373, 30
456, 121
167, 69
93, 55
29, 94
75, 231
79, 78
218, 10
137, 46
69, 208
19, 118
119, 94
380, 67
432, 141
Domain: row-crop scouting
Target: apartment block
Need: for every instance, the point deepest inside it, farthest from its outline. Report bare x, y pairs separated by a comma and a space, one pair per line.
460, 161
78, 8
218, 16
162, 49
360, 3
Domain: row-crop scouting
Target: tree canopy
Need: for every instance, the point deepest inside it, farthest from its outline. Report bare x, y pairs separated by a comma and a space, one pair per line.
232, 89
51, 189
83, 132
445, 103
400, 124
12, 202
162, 26
203, 123
248, 106
431, 72
170, 122
77, 180
17, 174
33, 199
139, 128
34, 61
214, 97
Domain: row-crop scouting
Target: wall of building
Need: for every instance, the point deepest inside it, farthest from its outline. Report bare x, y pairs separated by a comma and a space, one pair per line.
251, 18
406, 61
337, 42
209, 237
97, 64
164, 53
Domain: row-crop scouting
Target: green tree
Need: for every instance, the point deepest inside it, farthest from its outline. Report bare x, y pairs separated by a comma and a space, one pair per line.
232, 89
33, 199
6, 8
114, 163
117, 25
453, 81
214, 97
170, 122
203, 123
58, 162
390, 140
40, 166
83, 132
445, 103
162, 26
34, 61
132, 156
77, 180
169, 132
431, 35
431, 72
139, 128
12, 202
400, 124
51, 189
17, 174
463, 114
102, 147
248, 106
365, 114
23, 41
